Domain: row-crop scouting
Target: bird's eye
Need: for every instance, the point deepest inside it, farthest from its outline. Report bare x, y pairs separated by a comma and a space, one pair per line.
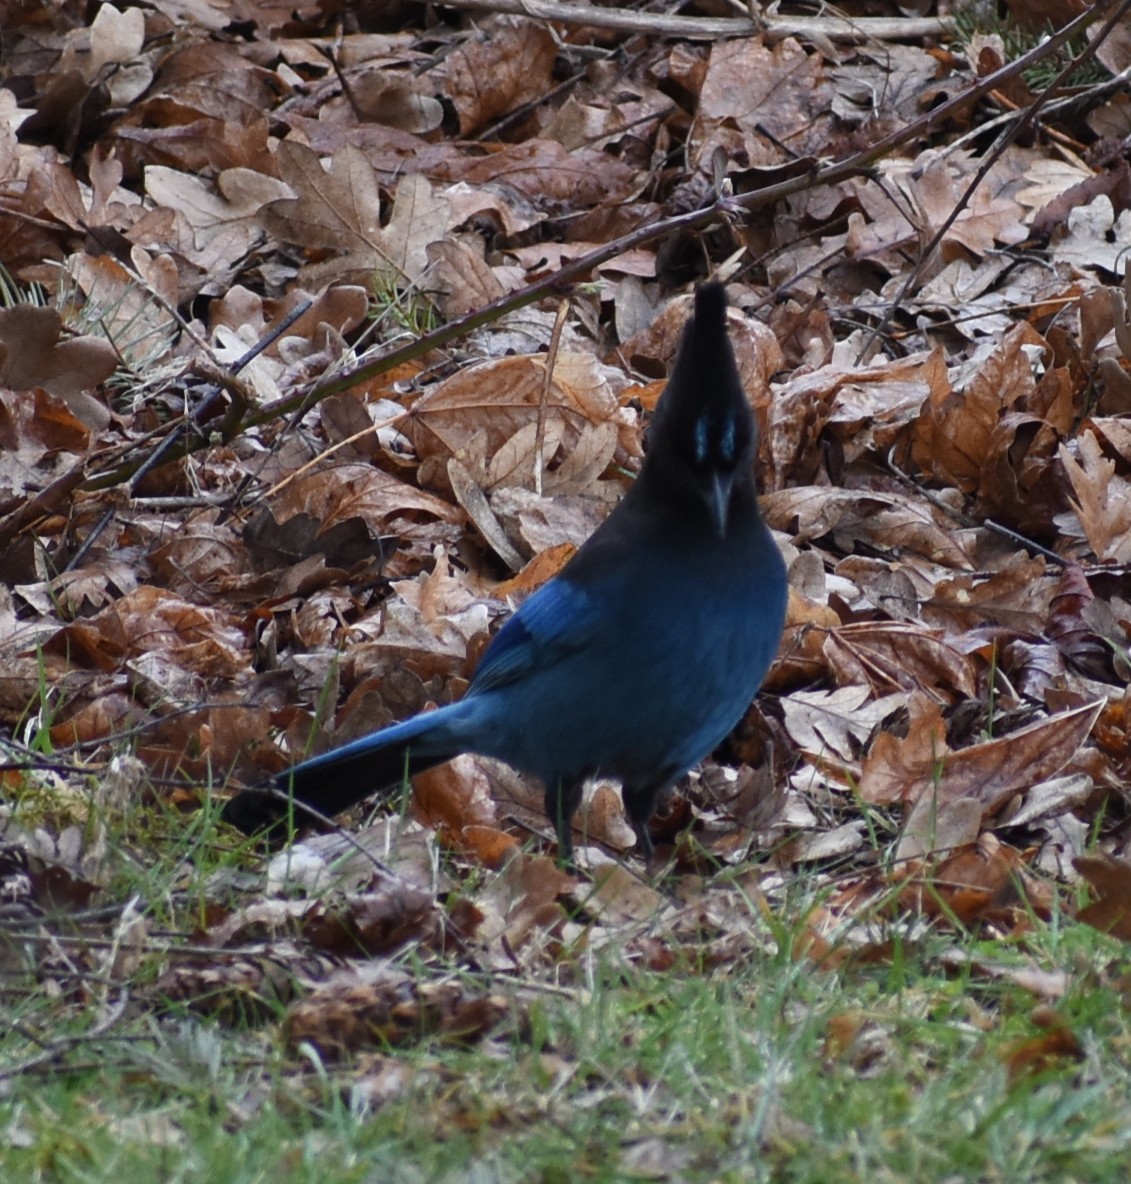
701, 429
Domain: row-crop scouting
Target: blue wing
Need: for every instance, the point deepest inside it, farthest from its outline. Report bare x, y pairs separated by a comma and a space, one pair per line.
557, 620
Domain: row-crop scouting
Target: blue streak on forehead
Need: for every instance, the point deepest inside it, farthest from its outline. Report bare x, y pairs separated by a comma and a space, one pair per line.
727, 444
701, 439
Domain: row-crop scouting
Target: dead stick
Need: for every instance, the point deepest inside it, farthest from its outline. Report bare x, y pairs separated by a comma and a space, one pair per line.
706, 28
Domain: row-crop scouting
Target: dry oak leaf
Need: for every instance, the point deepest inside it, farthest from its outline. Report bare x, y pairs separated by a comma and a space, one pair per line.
756, 99
1081, 626
213, 79
980, 880
891, 656
152, 621
107, 715
800, 655
402, 640
1096, 238
1110, 879
52, 187
956, 438
472, 499
370, 923
521, 907
1115, 50
393, 99
454, 796
115, 37
545, 173
207, 111
1047, 180
894, 769
756, 351
1114, 430
929, 188
936, 186
872, 585
243, 313
890, 89
339, 208
272, 544
338, 493
477, 415
507, 63
31, 355
869, 405
140, 327
1103, 500
38, 438
836, 723
993, 771
887, 520
223, 217
619, 897
987, 293
460, 280
970, 785
1018, 596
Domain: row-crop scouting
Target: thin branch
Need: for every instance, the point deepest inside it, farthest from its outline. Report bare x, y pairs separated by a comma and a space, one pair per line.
59, 1046
547, 384
707, 28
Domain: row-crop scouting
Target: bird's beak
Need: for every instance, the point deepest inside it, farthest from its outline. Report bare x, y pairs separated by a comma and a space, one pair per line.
718, 501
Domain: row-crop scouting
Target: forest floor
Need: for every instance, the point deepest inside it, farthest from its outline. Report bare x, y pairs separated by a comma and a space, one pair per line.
328, 332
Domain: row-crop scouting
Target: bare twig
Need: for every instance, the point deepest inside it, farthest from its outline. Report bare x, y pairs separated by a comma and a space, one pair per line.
548, 382
941, 503
60, 1045
706, 28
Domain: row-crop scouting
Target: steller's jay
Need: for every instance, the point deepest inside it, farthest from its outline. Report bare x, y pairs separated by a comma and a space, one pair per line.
638, 658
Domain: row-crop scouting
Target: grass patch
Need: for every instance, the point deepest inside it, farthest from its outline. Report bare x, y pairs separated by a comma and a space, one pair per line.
763, 1067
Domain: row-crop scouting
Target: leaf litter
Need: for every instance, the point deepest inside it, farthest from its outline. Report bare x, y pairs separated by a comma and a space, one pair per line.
214, 564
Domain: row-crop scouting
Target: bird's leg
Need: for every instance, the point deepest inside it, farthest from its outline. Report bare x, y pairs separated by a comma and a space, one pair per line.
639, 803
561, 803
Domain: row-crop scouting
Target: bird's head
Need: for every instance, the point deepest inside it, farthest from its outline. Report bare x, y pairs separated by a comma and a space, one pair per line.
702, 438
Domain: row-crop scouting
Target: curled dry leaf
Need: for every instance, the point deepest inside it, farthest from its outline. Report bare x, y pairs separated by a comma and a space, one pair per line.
895, 656
42, 437
505, 64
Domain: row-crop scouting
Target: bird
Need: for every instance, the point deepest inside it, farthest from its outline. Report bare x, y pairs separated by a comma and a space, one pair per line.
636, 660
